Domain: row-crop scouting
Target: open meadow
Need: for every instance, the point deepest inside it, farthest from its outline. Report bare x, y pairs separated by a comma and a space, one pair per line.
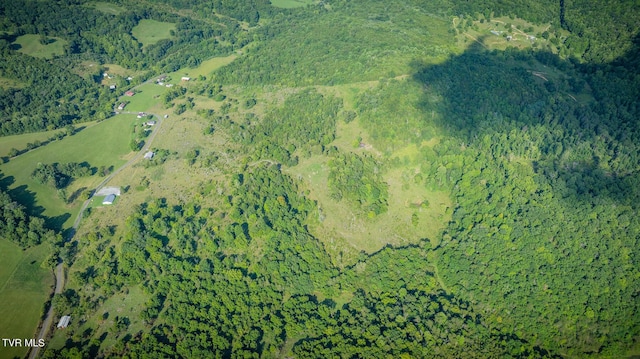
30, 44
24, 287
290, 4
105, 144
107, 8
20, 142
204, 69
146, 96
148, 32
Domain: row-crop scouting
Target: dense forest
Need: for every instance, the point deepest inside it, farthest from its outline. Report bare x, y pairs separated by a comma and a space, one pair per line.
536, 147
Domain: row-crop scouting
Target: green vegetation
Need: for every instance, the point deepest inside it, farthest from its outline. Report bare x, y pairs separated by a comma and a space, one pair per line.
370, 178
107, 8
146, 96
104, 144
20, 142
40, 46
358, 180
24, 287
149, 32
290, 4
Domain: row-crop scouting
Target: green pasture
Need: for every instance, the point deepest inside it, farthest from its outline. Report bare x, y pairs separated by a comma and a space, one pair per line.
204, 69
148, 32
24, 287
107, 8
147, 96
104, 144
20, 142
290, 4
30, 44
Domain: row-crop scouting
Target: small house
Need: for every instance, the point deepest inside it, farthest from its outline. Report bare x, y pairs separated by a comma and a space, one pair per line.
162, 78
185, 78
64, 322
105, 74
112, 87
129, 93
168, 85
150, 123
129, 78
149, 155
121, 106
109, 199
166, 116
141, 115
160, 83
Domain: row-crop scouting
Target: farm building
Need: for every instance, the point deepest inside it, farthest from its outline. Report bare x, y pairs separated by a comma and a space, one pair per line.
64, 322
121, 106
150, 123
185, 78
149, 155
129, 93
109, 199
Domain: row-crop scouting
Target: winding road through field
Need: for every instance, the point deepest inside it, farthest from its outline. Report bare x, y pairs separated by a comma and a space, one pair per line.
59, 271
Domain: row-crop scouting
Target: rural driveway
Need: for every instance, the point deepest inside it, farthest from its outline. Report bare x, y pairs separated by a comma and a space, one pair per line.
59, 272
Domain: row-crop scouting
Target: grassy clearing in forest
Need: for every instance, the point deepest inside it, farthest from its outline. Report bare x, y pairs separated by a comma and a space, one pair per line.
345, 233
205, 68
24, 287
29, 44
290, 4
148, 32
104, 144
107, 8
6, 83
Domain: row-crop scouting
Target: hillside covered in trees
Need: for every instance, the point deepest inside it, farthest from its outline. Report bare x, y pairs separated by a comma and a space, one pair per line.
442, 179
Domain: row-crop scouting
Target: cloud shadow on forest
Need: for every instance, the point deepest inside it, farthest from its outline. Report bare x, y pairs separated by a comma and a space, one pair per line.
504, 92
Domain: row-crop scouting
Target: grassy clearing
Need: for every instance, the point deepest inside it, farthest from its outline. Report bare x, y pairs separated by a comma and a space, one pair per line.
107, 8
290, 4
346, 233
120, 305
20, 141
205, 68
146, 97
30, 45
148, 32
105, 144
6, 83
24, 287
518, 30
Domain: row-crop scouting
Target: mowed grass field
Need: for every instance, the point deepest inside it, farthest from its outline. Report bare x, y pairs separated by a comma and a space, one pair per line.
148, 32
30, 44
20, 141
289, 4
24, 287
205, 68
146, 97
105, 144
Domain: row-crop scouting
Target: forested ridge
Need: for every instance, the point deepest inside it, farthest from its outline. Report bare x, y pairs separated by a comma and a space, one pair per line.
536, 148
